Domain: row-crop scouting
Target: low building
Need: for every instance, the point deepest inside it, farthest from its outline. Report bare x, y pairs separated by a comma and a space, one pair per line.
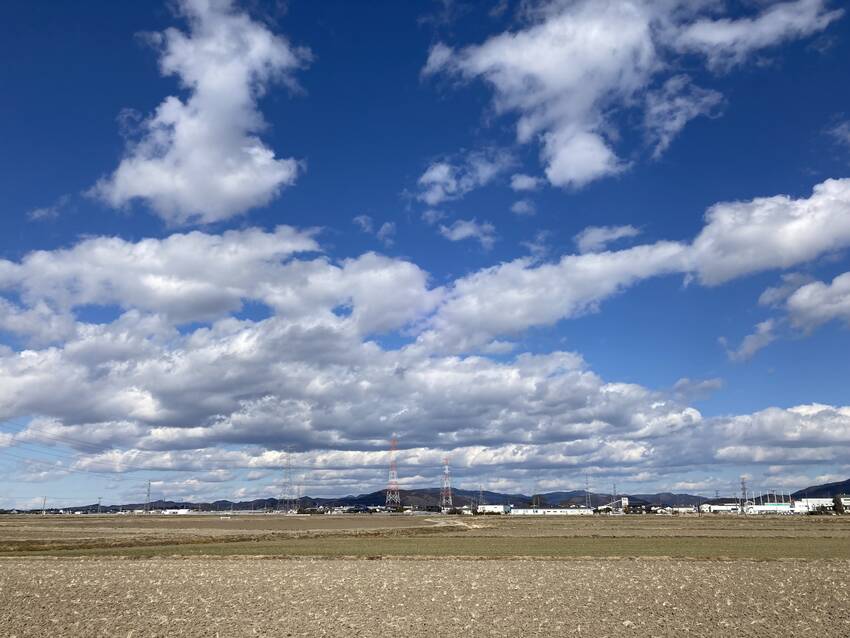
494, 509
550, 511
806, 505
720, 508
688, 509
768, 508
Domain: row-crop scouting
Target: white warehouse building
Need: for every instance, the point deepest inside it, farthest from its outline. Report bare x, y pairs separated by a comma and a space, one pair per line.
722, 508
494, 509
551, 511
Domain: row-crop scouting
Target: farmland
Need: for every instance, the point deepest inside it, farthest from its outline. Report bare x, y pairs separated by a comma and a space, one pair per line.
419, 575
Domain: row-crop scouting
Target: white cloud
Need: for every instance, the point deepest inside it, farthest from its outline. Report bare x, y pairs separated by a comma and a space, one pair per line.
200, 159
365, 223
594, 239
738, 239
447, 180
670, 108
776, 295
523, 207
49, 212
386, 233
233, 392
772, 232
763, 336
726, 42
521, 182
575, 65
39, 323
511, 297
188, 277
841, 133
817, 303
462, 229
686, 389
432, 216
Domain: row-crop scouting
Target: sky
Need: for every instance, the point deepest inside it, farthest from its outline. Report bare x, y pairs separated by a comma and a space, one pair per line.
557, 241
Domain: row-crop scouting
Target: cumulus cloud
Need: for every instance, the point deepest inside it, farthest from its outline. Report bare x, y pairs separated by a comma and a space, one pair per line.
595, 238
523, 207
449, 179
200, 159
511, 297
573, 66
152, 388
738, 239
764, 335
521, 182
776, 295
462, 229
816, 303
188, 277
772, 232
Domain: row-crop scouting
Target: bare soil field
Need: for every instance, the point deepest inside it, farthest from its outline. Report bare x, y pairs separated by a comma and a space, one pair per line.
706, 537
428, 576
87, 597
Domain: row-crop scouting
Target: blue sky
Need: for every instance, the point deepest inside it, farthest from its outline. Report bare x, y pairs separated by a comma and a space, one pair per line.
235, 229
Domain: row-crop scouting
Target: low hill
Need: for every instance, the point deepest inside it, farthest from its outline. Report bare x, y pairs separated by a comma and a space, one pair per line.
827, 490
429, 498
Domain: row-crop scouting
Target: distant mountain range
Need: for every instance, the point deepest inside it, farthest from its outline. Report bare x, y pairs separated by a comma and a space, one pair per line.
429, 498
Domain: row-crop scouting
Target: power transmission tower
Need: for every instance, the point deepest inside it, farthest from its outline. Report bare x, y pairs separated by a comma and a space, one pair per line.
587, 491
43, 505
393, 496
743, 495
446, 487
480, 495
287, 498
148, 500
99, 499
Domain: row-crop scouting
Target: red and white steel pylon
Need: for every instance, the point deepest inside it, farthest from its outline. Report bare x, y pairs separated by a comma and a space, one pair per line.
446, 488
393, 494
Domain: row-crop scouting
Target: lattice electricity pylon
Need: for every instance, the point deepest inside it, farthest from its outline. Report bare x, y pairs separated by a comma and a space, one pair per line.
446, 488
286, 503
393, 493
